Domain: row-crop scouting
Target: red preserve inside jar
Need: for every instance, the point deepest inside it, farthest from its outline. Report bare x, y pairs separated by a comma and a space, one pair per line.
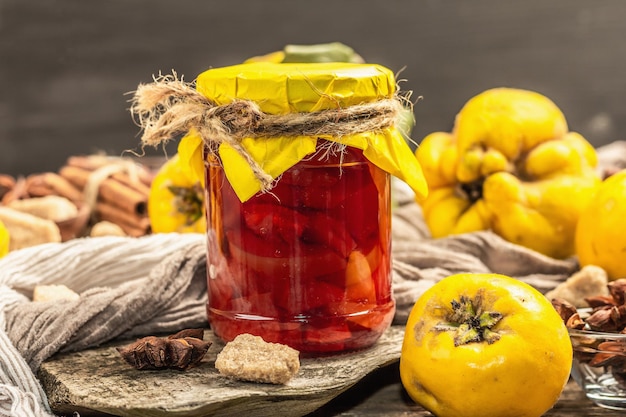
308, 263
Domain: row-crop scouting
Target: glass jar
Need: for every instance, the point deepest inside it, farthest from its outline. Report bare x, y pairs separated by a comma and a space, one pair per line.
307, 263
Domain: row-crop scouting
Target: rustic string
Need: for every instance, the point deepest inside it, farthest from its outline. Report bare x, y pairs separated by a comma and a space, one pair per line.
169, 107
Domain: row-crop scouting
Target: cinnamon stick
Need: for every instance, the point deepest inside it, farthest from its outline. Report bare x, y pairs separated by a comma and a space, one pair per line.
94, 162
110, 190
133, 225
124, 197
7, 183
48, 183
89, 162
17, 192
38, 189
125, 179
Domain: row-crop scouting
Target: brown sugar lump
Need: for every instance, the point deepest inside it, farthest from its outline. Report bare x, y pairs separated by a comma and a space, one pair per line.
53, 293
106, 228
590, 281
250, 358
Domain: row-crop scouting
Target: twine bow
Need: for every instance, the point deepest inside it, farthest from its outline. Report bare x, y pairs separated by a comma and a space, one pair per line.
169, 107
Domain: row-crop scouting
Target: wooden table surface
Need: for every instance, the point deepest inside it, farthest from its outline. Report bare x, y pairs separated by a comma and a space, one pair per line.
381, 394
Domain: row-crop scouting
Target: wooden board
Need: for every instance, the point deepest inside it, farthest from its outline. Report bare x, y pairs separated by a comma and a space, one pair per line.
98, 382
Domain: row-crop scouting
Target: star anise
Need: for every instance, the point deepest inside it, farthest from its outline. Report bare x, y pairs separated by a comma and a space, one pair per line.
608, 315
181, 351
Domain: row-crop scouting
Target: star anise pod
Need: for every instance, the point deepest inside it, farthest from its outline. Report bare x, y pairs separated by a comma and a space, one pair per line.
565, 309
617, 289
600, 301
610, 353
181, 351
608, 314
606, 319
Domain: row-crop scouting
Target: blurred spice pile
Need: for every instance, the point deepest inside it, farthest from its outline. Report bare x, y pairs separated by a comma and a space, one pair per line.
91, 195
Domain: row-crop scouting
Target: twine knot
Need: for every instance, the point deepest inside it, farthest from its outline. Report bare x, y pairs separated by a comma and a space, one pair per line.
240, 118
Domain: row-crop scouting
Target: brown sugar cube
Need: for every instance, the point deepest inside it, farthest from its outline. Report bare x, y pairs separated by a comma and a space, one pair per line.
106, 228
54, 293
250, 358
590, 281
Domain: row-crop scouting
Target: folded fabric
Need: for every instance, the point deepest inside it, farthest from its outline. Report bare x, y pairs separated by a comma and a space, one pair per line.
170, 298
128, 286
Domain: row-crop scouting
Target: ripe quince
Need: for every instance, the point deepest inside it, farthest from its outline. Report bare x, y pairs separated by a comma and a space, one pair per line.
4, 240
601, 230
485, 345
176, 199
509, 165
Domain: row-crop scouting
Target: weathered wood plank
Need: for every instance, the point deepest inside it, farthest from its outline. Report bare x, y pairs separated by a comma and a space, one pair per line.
99, 381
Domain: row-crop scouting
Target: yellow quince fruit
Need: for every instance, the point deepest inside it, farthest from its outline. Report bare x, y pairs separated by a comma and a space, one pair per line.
512, 166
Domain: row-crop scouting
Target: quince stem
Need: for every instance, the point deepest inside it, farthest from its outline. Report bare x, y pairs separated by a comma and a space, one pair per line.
188, 201
468, 322
472, 191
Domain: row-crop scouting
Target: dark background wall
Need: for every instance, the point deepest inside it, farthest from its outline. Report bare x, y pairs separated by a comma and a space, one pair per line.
65, 66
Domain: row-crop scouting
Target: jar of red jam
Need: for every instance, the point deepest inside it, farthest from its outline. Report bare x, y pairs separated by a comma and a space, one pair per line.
308, 262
